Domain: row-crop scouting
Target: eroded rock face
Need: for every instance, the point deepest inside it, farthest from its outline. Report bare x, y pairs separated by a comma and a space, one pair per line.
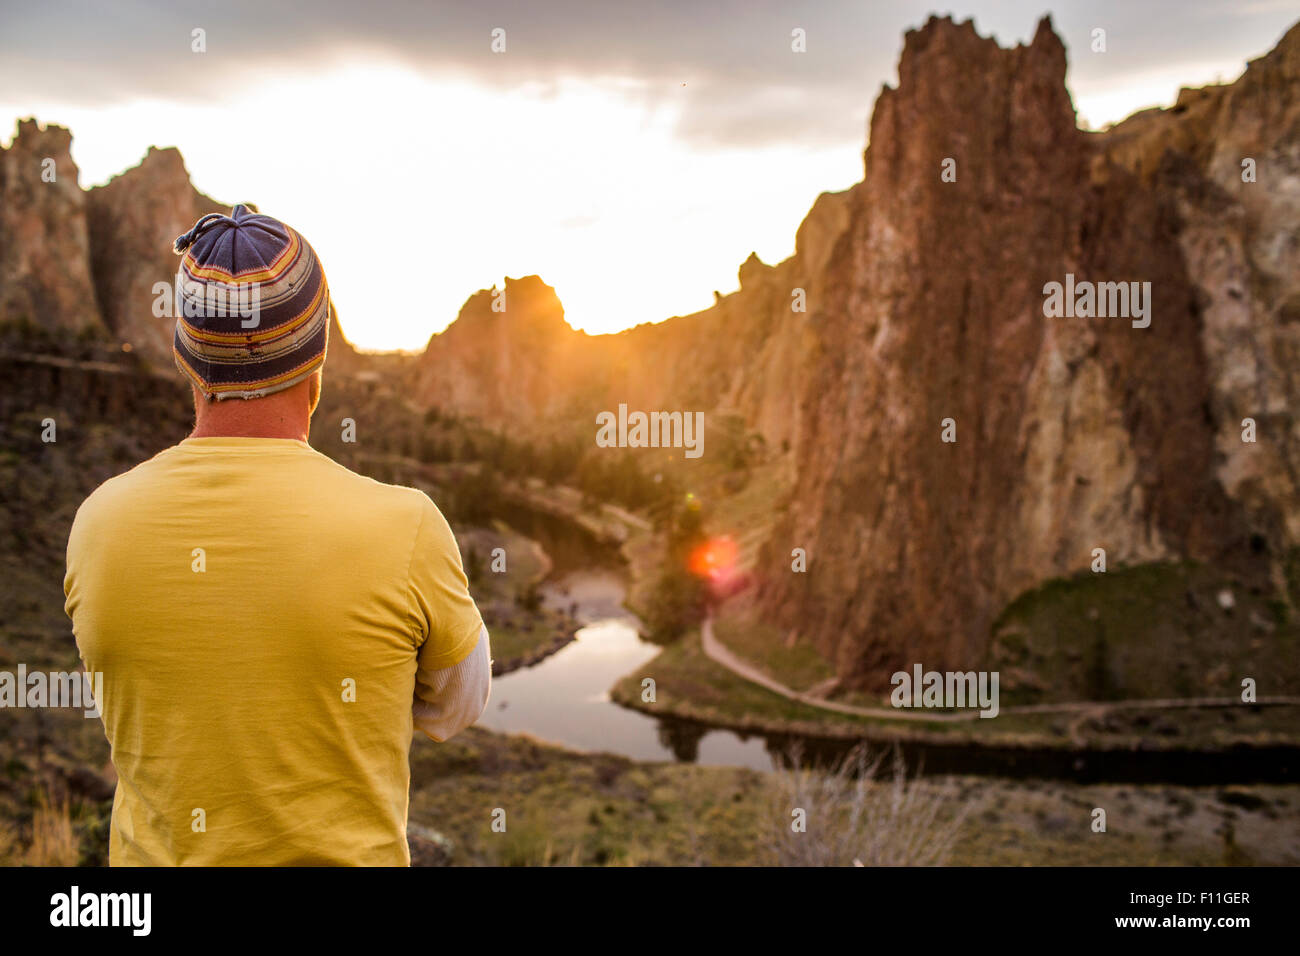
508, 359
526, 368
45, 277
1072, 433
134, 218
73, 259
1239, 240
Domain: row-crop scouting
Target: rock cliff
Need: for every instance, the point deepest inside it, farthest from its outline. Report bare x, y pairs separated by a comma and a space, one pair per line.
45, 276
925, 302
1071, 433
133, 220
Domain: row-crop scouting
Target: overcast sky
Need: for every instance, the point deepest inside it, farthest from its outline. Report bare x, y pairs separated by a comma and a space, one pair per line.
633, 155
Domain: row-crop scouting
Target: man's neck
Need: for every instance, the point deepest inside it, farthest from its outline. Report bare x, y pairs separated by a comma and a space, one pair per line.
281, 415
236, 429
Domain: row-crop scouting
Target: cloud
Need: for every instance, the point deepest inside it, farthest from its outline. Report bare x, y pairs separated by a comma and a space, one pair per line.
718, 66
726, 68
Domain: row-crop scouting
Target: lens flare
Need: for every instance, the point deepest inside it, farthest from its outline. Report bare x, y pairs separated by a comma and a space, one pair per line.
714, 559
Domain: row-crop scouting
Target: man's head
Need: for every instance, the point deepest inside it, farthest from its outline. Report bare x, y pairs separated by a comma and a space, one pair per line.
252, 317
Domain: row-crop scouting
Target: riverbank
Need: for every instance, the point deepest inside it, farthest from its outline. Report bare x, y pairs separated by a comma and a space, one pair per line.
1244, 743
565, 807
508, 571
698, 692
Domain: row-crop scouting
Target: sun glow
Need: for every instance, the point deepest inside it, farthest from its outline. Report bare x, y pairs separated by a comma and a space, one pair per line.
418, 191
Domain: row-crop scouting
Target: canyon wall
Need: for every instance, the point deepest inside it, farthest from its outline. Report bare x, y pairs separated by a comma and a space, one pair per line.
1071, 433
747, 354
45, 276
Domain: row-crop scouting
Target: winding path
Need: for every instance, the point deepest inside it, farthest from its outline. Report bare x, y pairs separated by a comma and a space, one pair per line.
719, 654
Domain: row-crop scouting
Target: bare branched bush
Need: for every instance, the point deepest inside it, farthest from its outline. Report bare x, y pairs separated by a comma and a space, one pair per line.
853, 815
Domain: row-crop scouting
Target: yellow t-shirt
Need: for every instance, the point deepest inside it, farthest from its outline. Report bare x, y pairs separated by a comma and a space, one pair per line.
257, 611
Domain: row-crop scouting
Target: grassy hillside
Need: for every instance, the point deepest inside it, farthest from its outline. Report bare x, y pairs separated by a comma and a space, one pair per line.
1148, 631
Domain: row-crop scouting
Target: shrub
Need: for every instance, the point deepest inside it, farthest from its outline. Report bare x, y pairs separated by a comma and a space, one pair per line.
854, 817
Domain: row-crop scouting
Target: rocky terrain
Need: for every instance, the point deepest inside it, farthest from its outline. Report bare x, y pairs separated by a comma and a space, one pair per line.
45, 274
924, 302
1071, 434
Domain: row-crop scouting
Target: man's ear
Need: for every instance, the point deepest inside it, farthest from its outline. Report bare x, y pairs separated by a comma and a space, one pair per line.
313, 392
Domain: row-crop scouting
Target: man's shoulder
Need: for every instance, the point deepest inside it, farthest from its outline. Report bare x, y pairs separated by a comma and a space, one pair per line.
378, 504
364, 495
411, 501
121, 488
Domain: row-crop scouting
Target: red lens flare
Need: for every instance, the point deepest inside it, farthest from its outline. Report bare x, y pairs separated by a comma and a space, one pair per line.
713, 559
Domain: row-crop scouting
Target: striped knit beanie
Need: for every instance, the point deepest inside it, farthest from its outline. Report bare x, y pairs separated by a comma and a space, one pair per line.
252, 306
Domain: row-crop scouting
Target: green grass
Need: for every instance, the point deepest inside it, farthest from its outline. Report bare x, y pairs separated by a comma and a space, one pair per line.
529, 634
1142, 632
567, 808
1148, 631
598, 809
799, 666
690, 685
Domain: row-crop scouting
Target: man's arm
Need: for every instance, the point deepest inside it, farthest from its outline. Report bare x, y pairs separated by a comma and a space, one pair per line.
449, 699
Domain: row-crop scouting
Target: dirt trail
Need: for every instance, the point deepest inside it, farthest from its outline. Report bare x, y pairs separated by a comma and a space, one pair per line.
716, 652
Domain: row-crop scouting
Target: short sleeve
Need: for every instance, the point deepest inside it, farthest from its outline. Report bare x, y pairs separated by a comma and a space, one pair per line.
445, 622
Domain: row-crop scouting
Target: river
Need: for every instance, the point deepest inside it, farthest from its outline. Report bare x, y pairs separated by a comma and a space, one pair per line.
565, 698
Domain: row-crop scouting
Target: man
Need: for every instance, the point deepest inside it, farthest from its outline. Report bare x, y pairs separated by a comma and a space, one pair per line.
269, 625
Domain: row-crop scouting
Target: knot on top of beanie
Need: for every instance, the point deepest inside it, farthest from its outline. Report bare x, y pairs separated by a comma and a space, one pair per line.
186, 239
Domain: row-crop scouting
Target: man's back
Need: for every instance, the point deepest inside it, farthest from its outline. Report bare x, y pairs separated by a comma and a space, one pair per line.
257, 611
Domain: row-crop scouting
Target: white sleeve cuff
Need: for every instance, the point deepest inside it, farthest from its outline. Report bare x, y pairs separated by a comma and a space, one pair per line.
449, 699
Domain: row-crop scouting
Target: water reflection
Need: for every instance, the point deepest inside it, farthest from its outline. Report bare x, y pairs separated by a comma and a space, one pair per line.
682, 739
565, 698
